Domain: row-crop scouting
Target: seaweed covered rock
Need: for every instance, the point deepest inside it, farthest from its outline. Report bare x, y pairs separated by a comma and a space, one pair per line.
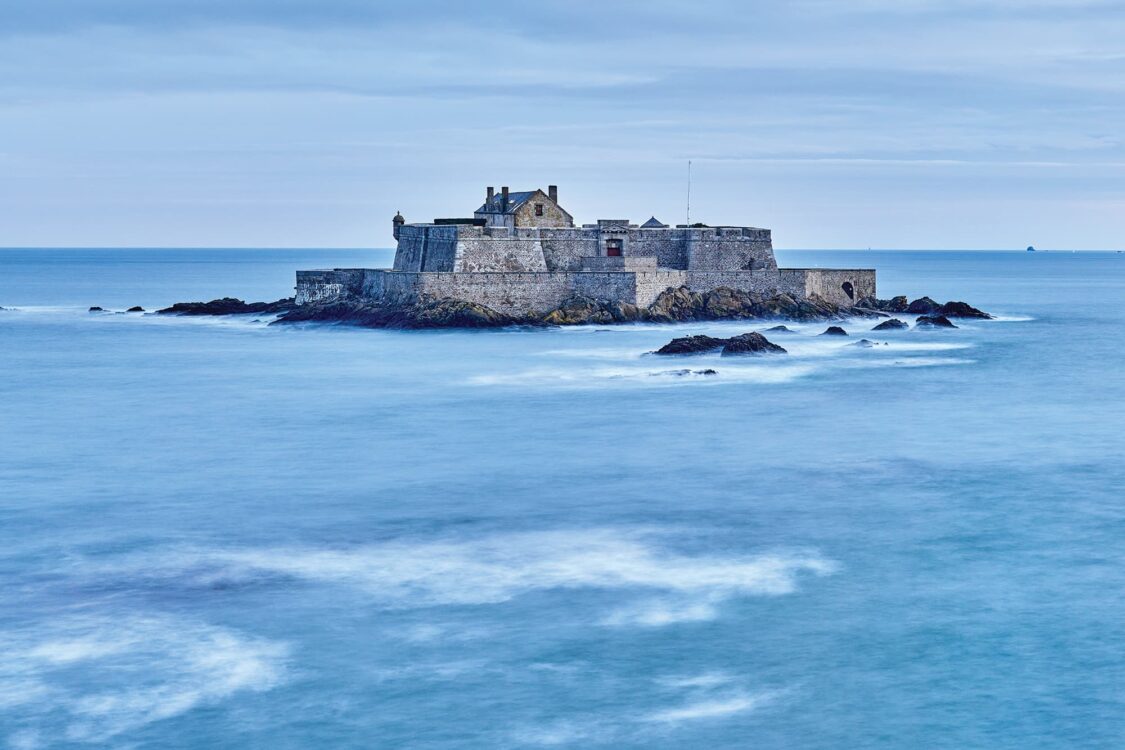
692, 345
934, 321
894, 324
229, 306
750, 343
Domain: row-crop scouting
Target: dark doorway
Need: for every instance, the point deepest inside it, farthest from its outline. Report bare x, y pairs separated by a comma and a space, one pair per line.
848, 289
613, 248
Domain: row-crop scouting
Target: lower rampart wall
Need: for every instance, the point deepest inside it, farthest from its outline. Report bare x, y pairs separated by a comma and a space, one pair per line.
522, 293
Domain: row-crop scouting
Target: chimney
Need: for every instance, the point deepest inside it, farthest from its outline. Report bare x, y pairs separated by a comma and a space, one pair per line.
504, 199
553, 193
490, 194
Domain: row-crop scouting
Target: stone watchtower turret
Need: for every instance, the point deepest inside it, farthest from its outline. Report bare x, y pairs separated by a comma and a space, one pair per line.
397, 221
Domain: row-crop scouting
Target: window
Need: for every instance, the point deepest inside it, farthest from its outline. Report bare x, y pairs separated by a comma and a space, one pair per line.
538, 209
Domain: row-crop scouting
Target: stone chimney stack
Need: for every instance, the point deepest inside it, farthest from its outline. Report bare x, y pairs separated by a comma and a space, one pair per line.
489, 196
553, 193
504, 199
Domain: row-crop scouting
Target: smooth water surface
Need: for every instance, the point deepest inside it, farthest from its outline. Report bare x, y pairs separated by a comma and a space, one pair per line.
219, 534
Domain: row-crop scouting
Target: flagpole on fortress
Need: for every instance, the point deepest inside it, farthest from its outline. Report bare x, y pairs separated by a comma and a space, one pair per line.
688, 215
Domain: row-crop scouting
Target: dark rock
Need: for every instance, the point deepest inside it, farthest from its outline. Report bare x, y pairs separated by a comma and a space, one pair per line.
834, 331
780, 329
676, 304
866, 312
933, 321
708, 371
894, 324
894, 305
455, 313
135, 308
96, 309
750, 343
897, 304
444, 313
863, 344
725, 303
692, 345
579, 310
962, 310
229, 306
923, 306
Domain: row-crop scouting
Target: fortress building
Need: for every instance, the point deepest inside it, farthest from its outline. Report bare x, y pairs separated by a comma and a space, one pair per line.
521, 254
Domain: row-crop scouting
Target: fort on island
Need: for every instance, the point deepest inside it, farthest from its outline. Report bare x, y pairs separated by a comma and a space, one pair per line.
521, 254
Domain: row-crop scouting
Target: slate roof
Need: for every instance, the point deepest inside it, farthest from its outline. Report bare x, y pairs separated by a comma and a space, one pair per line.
653, 223
515, 200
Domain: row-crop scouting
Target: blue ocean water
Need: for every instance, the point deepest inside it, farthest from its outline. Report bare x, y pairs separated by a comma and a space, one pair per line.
217, 534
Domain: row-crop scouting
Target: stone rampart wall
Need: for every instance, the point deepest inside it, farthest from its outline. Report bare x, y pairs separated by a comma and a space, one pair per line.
841, 286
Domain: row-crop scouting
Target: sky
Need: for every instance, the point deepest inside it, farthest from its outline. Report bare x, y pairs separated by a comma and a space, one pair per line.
308, 123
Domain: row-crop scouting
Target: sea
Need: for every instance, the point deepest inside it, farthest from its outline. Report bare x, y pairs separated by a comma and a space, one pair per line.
217, 533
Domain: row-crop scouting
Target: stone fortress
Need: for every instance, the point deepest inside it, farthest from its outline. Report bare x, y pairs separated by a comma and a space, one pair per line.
521, 254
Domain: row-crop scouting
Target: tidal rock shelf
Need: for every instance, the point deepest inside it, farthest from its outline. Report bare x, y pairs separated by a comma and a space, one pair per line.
671, 306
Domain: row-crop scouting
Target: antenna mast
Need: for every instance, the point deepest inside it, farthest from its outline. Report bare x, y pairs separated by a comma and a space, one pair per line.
688, 216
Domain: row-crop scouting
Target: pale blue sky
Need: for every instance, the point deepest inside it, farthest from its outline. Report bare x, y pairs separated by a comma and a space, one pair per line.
883, 123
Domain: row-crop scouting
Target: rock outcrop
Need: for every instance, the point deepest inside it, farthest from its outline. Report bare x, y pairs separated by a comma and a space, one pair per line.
95, 308
962, 310
934, 321
834, 331
750, 343
692, 345
135, 308
894, 324
229, 306
923, 306
746, 343
580, 310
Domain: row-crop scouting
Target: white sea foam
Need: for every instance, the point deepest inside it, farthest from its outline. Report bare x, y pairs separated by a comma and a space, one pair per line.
704, 680
711, 708
664, 611
498, 568
148, 669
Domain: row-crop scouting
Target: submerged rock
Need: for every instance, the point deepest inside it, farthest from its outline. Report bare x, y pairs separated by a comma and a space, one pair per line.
95, 308
962, 310
923, 306
750, 343
894, 324
135, 308
863, 343
692, 345
229, 306
933, 321
685, 372
780, 329
834, 331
